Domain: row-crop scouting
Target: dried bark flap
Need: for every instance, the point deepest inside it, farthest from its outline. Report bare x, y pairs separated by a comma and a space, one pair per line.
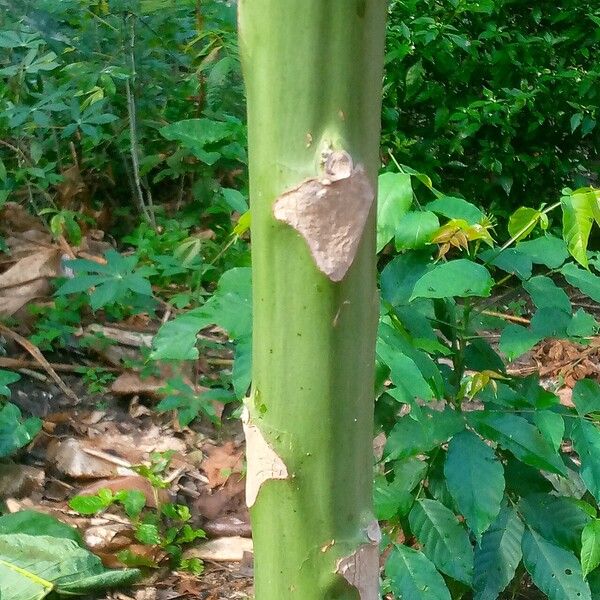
263, 462
330, 213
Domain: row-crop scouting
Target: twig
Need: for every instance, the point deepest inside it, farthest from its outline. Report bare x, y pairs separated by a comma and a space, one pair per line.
40, 358
115, 460
21, 363
492, 313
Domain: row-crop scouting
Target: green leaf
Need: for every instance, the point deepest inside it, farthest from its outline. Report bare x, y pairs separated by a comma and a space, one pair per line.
457, 278
133, 502
147, 533
14, 431
410, 437
515, 434
6, 379
546, 294
236, 200
586, 440
545, 250
35, 523
556, 572
590, 547
560, 520
497, 555
413, 576
89, 505
475, 479
400, 275
230, 307
395, 197
515, 340
415, 230
586, 396
583, 280
580, 209
33, 566
196, 134
404, 373
551, 426
522, 222
444, 541
395, 498
582, 325
456, 208
509, 260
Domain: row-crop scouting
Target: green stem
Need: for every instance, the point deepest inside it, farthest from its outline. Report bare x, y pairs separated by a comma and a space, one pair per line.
313, 73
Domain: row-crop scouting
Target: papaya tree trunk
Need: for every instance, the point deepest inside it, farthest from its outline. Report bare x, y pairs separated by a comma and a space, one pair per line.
313, 73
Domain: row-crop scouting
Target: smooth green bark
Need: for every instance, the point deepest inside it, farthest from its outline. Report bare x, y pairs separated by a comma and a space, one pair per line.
313, 72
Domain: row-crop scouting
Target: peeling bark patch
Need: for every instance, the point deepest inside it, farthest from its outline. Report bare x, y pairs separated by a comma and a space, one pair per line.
263, 462
361, 570
330, 212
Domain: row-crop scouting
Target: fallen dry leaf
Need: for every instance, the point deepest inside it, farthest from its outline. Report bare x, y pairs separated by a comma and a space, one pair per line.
221, 462
70, 458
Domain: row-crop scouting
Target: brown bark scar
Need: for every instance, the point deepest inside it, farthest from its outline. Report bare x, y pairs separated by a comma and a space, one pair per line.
263, 462
361, 568
330, 212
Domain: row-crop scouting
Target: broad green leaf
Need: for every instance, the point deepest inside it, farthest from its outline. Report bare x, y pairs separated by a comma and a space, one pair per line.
399, 277
89, 504
510, 260
236, 200
586, 396
457, 278
475, 479
230, 307
517, 435
33, 566
241, 375
444, 541
456, 208
522, 222
415, 230
35, 523
586, 440
497, 555
394, 198
560, 520
196, 134
550, 322
6, 379
590, 547
578, 217
15, 432
551, 426
410, 437
515, 340
395, 498
582, 325
555, 571
546, 294
545, 250
413, 577
584, 280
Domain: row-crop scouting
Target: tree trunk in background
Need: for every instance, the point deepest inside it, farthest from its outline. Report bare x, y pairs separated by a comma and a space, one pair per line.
313, 71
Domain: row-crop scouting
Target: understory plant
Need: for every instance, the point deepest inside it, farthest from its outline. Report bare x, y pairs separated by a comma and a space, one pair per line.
15, 431
486, 480
163, 527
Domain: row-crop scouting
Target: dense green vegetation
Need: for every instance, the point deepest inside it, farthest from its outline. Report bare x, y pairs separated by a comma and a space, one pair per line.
128, 117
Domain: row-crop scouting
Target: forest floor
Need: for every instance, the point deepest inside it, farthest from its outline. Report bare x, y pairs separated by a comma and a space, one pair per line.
95, 442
